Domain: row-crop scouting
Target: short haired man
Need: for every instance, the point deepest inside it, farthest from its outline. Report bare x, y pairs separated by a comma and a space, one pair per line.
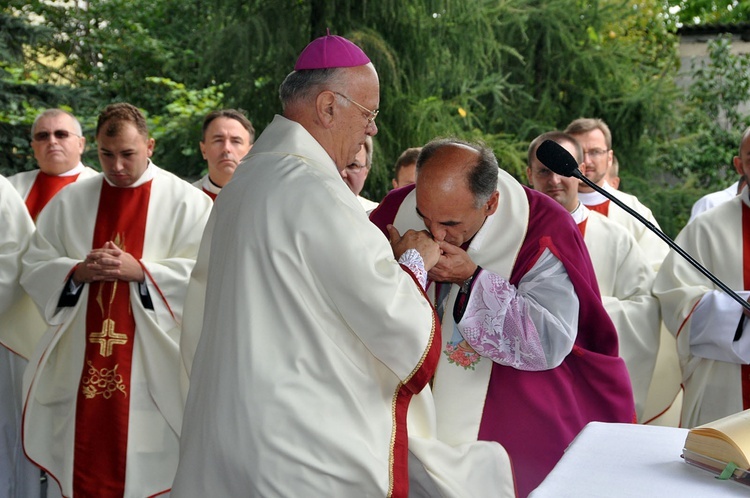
315, 338
227, 136
711, 328
622, 270
109, 266
406, 167
355, 173
522, 319
596, 139
58, 143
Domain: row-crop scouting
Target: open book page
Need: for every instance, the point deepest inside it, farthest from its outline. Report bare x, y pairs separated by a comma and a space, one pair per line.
734, 430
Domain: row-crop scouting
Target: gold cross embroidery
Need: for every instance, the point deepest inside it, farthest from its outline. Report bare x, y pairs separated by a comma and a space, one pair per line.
107, 338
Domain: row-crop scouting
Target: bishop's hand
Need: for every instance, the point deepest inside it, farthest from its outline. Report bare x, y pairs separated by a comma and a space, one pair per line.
422, 241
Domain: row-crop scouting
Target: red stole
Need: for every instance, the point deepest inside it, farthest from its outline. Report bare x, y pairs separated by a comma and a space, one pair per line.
103, 404
745, 369
44, 188
210, 194
602, 208
582, 227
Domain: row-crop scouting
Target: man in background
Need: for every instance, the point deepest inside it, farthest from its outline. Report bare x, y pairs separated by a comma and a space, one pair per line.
715, 198
622, 271
596, 139
58, 143
406, 167
227, 137
108, 266
355, 174
711, 327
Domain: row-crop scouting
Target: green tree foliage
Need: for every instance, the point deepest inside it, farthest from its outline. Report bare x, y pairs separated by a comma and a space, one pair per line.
689, 12
500, 71
24, 89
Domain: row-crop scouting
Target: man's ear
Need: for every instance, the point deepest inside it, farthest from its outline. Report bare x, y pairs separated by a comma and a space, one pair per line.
325, 104
492, 203
738, 165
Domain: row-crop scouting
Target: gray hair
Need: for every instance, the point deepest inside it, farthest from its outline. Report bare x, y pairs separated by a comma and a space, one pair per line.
482, 177
299, 85
56, 112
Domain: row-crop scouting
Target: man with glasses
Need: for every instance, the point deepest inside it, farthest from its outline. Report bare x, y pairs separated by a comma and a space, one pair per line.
309, 341
58, 142
596, 139
355, 174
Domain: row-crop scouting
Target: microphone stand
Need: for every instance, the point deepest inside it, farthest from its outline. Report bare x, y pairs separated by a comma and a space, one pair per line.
679, 250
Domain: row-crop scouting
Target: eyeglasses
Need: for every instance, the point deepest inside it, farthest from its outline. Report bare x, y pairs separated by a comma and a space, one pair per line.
43, 136
371, 114
356, 167
595, 153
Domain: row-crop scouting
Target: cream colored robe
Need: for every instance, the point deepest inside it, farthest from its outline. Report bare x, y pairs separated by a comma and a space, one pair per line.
703, 317
625, 280
25, 180
205, 185
18, 477
177, 213
652, 245
24, 315
310, 327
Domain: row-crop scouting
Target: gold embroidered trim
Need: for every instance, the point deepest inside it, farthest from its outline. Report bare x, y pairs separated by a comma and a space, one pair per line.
107, 338
104, 382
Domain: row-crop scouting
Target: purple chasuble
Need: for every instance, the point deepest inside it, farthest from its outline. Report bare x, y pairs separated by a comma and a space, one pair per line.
535, 415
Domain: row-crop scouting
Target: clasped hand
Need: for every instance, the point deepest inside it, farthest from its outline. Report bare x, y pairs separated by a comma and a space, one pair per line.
108, 263
421, 241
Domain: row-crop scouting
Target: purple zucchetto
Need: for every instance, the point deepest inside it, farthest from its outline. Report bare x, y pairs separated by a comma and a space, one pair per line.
330, 51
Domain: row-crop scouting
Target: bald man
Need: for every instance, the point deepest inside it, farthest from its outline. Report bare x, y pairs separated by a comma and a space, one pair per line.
520, 310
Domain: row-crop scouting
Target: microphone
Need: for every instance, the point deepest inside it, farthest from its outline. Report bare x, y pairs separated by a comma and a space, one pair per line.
556, 158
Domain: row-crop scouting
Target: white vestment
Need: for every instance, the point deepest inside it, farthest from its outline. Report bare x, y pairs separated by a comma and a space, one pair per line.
18, 477
625, 280
652, 245
714, 199
310, 333
176, 215
703, 317
206, 185
24, 180
24, 315
367, 204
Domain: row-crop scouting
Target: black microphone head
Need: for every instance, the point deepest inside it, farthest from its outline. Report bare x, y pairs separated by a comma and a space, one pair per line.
557, 159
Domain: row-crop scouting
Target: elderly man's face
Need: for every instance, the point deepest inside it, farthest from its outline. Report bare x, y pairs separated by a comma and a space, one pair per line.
225, 144
56, 144
124, 156
355, 174
354, 123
